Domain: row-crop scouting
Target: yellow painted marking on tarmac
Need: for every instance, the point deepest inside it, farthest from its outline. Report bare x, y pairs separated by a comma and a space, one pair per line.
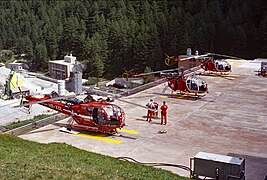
236, 63
230, 78
232, 75
99, 137
128, 131
164, 96
212, 76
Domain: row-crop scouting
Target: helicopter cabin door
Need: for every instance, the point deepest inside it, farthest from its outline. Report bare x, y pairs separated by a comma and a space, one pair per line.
99, 116
95, 115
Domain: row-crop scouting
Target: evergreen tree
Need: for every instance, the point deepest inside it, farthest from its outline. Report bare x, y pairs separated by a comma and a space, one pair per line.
40, 59
132, 34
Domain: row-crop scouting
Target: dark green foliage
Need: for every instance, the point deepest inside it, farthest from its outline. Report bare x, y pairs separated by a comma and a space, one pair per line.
112, 35
6, 55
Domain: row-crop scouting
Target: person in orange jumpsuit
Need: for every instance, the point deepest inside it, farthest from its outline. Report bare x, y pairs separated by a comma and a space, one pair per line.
156, 106
150, 105
164, 108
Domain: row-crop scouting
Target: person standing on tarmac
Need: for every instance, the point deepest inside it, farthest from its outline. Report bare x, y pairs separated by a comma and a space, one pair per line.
156, 106
164, 108
150, 105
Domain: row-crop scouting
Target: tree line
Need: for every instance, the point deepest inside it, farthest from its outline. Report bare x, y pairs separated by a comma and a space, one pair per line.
110, 36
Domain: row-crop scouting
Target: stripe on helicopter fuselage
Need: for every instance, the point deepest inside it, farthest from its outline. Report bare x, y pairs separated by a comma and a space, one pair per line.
99, 137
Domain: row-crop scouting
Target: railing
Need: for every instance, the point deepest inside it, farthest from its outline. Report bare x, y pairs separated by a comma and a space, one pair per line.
34, 125
143, 87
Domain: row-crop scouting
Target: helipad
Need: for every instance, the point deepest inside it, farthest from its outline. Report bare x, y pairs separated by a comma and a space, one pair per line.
230, 120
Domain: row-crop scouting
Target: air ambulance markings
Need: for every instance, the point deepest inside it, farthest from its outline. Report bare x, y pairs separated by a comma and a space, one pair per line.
100, 137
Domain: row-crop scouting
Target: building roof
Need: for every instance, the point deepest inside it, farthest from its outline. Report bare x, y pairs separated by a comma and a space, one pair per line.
62, 62
15, 63
261, 60
16, 90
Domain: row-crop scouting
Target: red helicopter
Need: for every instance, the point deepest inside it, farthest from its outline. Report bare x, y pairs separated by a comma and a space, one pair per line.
183, 81
205, 61
187, 84
89, 114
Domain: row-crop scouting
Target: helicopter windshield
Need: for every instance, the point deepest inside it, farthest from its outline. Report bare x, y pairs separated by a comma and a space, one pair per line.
222, 65
114, 113
196, 84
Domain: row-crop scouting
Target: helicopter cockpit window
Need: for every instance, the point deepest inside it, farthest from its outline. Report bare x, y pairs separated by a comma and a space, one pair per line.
222, 65
188, 83
192, 83
203, 86
112, 113
110, 110
89, 110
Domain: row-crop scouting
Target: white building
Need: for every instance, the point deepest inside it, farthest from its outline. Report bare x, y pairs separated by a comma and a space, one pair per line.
61, 69
15, 66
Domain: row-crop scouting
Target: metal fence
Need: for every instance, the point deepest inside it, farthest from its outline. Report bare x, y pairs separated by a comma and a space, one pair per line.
35, 125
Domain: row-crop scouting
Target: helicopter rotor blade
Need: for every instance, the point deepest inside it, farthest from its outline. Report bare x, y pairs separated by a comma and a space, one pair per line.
46, 100
193, 57
145, 107
118, 97
222, 55
155, 72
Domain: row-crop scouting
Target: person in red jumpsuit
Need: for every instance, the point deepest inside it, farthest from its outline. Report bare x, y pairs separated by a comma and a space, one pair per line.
150, 105
164, 108
156, 106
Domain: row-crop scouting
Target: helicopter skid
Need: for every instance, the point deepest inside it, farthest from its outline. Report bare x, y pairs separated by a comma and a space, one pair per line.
114, 134
64, 129
87, 128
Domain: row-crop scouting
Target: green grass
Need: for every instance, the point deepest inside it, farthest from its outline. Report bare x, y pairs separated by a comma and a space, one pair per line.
22, 123
22, 159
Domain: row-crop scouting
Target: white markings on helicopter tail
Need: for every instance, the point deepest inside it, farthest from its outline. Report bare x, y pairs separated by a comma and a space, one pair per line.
100, 137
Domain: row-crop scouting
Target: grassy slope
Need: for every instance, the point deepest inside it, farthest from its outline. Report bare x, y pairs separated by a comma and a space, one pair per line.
21, 159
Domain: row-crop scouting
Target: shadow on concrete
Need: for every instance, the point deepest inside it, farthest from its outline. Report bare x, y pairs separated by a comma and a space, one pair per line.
92, 133
255, 167
180, 96
43, 130
141, 120
127, 137
153, 122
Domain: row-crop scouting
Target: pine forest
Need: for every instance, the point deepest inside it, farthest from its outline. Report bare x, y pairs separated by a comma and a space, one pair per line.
111, 36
